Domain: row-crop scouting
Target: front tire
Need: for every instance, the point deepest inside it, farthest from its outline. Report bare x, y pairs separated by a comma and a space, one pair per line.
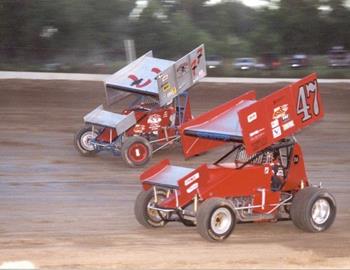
147, 217
136, 151
313, 209
215, 219
82, 141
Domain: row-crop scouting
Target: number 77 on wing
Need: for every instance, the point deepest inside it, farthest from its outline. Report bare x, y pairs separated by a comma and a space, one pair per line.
281, 114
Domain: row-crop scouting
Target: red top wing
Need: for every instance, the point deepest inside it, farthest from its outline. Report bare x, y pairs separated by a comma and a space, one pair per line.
281, 114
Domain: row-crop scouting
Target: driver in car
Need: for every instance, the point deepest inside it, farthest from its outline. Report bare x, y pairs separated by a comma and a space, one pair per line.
278, 175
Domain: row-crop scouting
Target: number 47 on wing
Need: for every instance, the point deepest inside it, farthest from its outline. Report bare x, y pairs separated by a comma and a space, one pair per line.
281, 113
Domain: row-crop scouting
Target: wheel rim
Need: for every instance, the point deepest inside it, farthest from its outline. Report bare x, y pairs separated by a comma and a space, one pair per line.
152, 213
320, 211
138, 152
221, 220
85, 140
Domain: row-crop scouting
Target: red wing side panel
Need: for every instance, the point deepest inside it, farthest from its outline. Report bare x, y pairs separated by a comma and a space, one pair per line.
152, 171
106, 134
188, 112
193, 145
281, 114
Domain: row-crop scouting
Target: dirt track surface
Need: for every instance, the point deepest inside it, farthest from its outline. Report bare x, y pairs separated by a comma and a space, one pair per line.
58, 209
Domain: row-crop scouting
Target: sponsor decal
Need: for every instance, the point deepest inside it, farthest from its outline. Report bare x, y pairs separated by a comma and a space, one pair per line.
251, 117
154, 119
172, 92
139, 128
256, 132
288, 125
166, 87
182, 69
274, 123
141, 82
280, 172
201, 73
280, 112
164, 77
276, 132
191, 179
266, 170
192, 188
195, 63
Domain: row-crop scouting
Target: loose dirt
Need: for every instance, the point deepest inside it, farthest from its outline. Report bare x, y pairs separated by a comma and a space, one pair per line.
61, 210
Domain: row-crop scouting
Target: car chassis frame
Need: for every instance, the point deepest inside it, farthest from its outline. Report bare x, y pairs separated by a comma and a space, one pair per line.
266, 181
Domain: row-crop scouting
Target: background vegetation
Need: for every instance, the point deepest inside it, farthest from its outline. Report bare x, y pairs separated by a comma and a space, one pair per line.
87, 35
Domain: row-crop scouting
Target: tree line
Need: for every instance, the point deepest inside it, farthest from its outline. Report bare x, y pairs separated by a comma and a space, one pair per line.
39, 29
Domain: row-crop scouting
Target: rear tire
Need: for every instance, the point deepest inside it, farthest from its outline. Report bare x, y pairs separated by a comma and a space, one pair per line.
148, 217
215, 219
188, 223
136, 151
313, 209
82, 141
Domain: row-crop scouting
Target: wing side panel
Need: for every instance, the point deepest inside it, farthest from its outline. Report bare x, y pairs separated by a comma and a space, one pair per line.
194, 145
281, 114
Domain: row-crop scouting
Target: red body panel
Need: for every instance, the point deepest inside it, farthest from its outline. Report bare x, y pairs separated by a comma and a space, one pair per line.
226, 180
296, 171
107, 134
281, 114
152, 122
192, 145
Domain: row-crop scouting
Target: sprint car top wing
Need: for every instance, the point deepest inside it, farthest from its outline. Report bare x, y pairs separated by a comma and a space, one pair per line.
163, 79
217, 127
258, 124
281, 114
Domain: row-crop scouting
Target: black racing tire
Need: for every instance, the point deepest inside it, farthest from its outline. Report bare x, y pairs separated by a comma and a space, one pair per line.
188, 223
313, 209
136, 151
215, 219
145, 216
81, 141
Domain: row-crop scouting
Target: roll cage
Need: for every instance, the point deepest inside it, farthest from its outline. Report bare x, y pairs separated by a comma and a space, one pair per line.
283, 149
